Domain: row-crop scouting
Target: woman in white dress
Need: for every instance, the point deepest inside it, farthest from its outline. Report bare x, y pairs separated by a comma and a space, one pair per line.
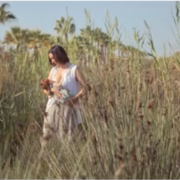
62, 119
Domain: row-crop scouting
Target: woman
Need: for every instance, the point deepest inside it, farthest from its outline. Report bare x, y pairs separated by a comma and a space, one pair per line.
62, 119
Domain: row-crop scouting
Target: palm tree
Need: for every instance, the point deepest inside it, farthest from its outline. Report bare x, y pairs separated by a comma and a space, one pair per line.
39, 39
64, 27
5, 15
104, 41
17, 36
28, 39
94, 43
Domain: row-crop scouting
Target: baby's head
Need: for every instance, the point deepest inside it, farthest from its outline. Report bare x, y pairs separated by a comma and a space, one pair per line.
45, 84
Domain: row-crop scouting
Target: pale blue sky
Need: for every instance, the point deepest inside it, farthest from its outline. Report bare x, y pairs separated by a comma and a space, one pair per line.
131, 14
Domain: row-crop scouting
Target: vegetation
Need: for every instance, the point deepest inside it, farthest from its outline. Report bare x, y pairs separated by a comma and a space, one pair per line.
130, 119
5, 15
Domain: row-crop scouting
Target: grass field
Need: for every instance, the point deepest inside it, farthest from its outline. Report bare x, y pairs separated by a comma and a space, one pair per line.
131, 119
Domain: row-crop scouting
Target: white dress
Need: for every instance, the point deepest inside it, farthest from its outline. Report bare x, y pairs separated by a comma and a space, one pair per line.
61, 119
70, 83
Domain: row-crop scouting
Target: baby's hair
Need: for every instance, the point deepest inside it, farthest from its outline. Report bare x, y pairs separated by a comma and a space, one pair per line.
45, 84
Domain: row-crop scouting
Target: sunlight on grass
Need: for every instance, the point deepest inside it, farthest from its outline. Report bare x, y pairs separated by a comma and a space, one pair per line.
131, 126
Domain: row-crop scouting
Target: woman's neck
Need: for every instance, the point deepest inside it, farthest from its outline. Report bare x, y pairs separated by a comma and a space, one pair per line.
66, 65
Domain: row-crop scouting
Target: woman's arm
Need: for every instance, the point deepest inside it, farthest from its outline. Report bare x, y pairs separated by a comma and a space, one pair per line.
82, 81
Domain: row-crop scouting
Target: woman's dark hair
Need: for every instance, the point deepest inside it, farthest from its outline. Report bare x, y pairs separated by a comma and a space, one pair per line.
59, 54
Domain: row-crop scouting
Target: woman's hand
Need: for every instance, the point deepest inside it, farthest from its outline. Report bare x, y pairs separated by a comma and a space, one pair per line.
56, 92
71, 101
51, 82
56, 84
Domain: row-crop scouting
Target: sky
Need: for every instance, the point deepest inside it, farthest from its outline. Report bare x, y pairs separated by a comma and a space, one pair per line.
130, 14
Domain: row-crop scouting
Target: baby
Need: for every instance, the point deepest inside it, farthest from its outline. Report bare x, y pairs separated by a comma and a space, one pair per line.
47, 84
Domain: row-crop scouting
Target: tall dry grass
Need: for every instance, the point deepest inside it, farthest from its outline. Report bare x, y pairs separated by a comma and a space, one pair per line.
130, 120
